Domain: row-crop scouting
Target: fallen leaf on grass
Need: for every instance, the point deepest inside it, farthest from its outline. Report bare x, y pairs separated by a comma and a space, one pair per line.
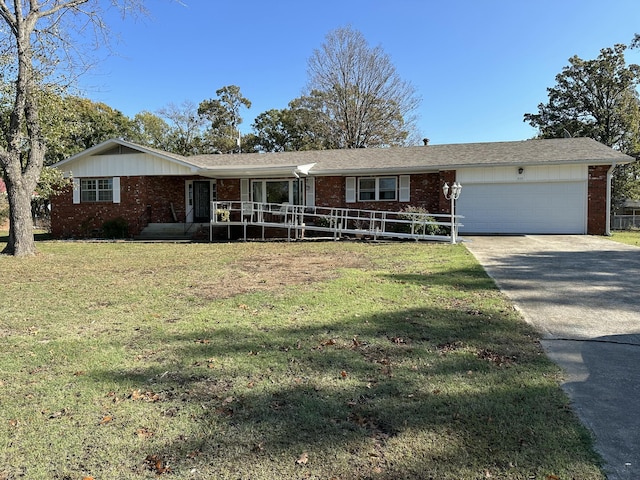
144, 433
57, 414
144, 396
155, 463
13, 423
343, 374
553, 477
105, 420
303, 459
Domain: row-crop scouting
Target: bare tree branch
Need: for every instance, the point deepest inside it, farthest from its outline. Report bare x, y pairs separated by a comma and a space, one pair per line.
37, 40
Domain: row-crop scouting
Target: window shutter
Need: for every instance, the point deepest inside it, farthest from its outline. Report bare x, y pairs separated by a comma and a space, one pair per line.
350, 190
244, 197
244, 190
404, 192
76, 190
310, 191
116, 189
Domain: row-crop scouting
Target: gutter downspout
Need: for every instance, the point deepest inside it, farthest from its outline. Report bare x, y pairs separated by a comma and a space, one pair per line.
607, 230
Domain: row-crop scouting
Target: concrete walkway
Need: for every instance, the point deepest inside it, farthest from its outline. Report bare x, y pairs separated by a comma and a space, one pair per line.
583, 294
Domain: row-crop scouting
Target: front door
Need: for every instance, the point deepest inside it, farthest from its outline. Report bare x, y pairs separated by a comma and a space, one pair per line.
201, 202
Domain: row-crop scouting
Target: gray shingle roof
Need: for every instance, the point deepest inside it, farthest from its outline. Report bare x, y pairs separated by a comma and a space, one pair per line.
394, 160
427, 158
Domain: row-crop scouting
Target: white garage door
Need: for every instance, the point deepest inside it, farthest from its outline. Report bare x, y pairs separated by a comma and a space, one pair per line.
524, 208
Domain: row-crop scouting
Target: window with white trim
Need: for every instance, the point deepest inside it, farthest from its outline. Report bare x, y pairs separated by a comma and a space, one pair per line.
377, 188
96, 190
275, 191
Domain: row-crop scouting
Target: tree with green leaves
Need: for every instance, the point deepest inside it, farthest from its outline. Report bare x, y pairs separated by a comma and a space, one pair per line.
302, 126
152, 130
72, 124
597, 99
41, 40
362, 96
592, 98
223, 115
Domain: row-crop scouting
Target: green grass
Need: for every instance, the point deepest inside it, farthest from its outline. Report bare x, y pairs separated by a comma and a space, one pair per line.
630, 237
271, 360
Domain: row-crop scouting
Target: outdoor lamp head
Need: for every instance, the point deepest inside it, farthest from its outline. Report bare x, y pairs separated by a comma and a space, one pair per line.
445, 189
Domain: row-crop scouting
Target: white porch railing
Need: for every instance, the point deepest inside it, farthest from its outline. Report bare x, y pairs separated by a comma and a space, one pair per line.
298, 220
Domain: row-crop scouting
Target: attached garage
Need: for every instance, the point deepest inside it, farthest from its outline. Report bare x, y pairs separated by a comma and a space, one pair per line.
532, 199
524, 208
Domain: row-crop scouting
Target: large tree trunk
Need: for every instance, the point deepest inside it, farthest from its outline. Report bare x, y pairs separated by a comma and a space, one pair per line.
24, 155
21, 242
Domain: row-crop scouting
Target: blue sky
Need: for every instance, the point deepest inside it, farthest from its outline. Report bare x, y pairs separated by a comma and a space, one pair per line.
478, 65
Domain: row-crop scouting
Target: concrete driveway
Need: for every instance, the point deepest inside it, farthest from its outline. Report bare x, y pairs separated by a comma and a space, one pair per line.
583, 294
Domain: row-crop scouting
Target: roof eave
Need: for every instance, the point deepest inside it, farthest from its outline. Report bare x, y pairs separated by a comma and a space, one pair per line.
250, 172
439, 168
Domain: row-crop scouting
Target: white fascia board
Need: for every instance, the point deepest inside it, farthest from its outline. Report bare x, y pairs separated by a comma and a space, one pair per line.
346, 172
249, 171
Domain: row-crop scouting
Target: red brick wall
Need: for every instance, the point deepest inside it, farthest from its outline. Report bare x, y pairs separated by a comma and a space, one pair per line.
228, 189
446, 176
597, 200
424, 188
143, 200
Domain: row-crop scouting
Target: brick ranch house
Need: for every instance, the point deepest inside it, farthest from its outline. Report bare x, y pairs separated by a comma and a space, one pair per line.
559, 186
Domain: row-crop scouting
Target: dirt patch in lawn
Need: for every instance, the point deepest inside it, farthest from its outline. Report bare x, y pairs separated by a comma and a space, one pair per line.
273, 271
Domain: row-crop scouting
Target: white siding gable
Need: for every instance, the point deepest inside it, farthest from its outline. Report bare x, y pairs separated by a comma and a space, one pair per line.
128, 164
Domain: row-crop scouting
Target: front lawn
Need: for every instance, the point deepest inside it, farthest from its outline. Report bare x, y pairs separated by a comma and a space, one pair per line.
630, 237
274, 360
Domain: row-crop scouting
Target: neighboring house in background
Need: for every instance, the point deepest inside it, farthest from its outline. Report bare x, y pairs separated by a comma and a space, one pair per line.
631, 207
557, 186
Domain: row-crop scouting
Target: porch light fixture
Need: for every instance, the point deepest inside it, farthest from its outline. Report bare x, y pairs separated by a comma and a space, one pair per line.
520, 170
452, 193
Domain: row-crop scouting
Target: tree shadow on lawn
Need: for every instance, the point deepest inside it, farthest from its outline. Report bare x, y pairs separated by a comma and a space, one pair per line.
429, 393
38, 237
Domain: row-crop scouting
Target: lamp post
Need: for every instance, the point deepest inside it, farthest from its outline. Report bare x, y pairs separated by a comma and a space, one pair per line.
452, 193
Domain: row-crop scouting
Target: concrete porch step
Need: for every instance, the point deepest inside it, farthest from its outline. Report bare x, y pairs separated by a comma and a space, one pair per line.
169, 231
